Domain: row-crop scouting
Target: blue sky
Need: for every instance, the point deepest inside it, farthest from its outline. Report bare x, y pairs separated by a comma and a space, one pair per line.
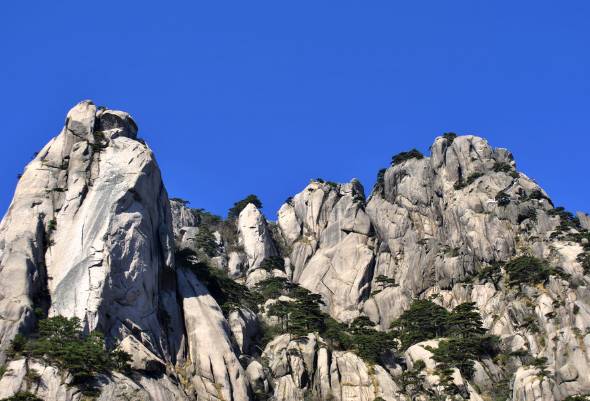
258, 97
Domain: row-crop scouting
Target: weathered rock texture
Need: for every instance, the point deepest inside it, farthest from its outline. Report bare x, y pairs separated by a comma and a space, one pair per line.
306, 366
91, 234
432, 225
332, 250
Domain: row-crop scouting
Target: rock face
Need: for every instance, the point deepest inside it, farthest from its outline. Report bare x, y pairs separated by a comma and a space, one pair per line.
49, 383
97, 184
431, 226
306, 366
332, 250
91, 234
255, 236
182, 217
212, 366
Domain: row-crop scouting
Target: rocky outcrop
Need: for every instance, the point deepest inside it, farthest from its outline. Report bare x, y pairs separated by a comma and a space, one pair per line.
305, 366
89, 235
255, 236
329, 234
182, 217
88, 232
212, 367
49, 383
434, 228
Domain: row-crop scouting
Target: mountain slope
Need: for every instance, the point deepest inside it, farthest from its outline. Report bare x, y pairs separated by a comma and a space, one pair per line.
457, 278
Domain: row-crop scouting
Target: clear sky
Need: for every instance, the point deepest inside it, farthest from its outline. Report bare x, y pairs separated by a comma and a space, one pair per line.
239, 97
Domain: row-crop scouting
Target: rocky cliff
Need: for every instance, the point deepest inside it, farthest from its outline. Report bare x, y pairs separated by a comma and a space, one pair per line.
318, 305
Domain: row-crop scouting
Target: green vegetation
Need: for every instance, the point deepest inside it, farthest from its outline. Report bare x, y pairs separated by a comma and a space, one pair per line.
60, 342
366, 341
569, 227
404, 156
205, 241
502, 199
412, 380
502, 167
528, 213
330, 183
541, 365
183, 202
303, 316
584, 260
466, 339
273, 263
424, 320
206, 218
228, 293
465, 183
51, 225
450, 137
578, 397
23, 396
527, 270
491, 273
536, 194
234, 212
380, 182
382, 282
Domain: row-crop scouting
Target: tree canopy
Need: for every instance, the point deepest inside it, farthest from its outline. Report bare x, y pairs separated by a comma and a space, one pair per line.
237, 208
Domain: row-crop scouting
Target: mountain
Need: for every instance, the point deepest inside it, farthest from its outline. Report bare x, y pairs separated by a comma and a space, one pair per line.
456, 278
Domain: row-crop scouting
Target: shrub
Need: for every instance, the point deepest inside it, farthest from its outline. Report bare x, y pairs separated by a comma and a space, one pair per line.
450, 137
567, 220
206, 218
467, 339
304, 315
23, 396
528, 213
235, 211
60, 341
183, 202
369, 343
470, 180
527, 270
380, 182
273, 262
424, 320
51, 225
537, 194
502, 199
206, 242
502, 167
404, 156
228, 293
578, 397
